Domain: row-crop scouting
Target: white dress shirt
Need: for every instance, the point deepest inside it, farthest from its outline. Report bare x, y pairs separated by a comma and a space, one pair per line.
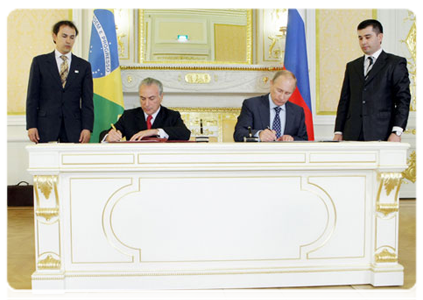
282, 116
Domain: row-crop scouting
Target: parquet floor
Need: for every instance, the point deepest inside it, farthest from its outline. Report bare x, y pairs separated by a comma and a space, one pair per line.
19, 255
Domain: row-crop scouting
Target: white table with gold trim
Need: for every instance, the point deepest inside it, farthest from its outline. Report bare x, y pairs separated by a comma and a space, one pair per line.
216, 215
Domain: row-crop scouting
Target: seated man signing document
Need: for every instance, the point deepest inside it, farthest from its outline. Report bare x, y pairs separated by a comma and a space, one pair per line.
149, 120
272, 117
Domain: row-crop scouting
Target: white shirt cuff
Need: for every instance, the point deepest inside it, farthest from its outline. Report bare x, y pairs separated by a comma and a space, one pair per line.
163, 134
397, 128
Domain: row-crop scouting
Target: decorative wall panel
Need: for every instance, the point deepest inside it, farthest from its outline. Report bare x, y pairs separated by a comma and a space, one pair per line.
335, 46
28, 35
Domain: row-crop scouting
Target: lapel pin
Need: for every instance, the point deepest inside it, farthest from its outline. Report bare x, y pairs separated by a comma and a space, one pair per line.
76, 71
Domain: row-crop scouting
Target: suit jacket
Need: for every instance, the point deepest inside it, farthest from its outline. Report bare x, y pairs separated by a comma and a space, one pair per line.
132, 121
377, 104
48, 102
255, 112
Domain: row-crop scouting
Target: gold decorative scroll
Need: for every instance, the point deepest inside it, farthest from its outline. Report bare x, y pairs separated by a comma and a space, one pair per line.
45, 184
49, 263
411, 43
386, 257
410, 172
390, 181
198, 78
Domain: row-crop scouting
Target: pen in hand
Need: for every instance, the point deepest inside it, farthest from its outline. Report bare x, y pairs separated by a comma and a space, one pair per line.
268, 128
113, 126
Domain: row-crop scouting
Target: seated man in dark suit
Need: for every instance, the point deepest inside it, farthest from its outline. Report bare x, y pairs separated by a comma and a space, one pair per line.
151, 119
272, 117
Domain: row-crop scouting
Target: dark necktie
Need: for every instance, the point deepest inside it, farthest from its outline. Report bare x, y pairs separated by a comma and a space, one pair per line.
277, 122
369, 67
149, 121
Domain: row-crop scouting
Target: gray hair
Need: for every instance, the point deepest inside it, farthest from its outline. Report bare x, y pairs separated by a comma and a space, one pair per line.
150, 81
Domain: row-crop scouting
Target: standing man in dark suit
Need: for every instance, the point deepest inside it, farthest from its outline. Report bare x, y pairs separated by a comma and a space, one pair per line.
375, 96
272, 117
59, 105
151, 119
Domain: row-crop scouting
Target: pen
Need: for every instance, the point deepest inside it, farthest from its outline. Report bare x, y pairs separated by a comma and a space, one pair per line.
113, 126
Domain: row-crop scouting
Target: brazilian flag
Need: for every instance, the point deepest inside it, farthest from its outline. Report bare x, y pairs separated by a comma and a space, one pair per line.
104, 59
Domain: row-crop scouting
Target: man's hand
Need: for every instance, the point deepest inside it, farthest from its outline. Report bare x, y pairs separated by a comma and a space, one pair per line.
33, 135
337, 137
114, 136
144, 133
394, 138
267, 135
85, 136
286, 138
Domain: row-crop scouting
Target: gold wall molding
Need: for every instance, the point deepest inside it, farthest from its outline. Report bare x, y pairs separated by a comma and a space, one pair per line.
410, 172
227, 67
230, 110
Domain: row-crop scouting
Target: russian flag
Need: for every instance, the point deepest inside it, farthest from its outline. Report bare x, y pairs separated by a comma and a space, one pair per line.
296, 61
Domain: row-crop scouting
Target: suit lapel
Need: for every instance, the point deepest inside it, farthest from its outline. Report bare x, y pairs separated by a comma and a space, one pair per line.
52, 67
264, 111
379, 64
359, 68
73, 71
160, 118
140, 119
